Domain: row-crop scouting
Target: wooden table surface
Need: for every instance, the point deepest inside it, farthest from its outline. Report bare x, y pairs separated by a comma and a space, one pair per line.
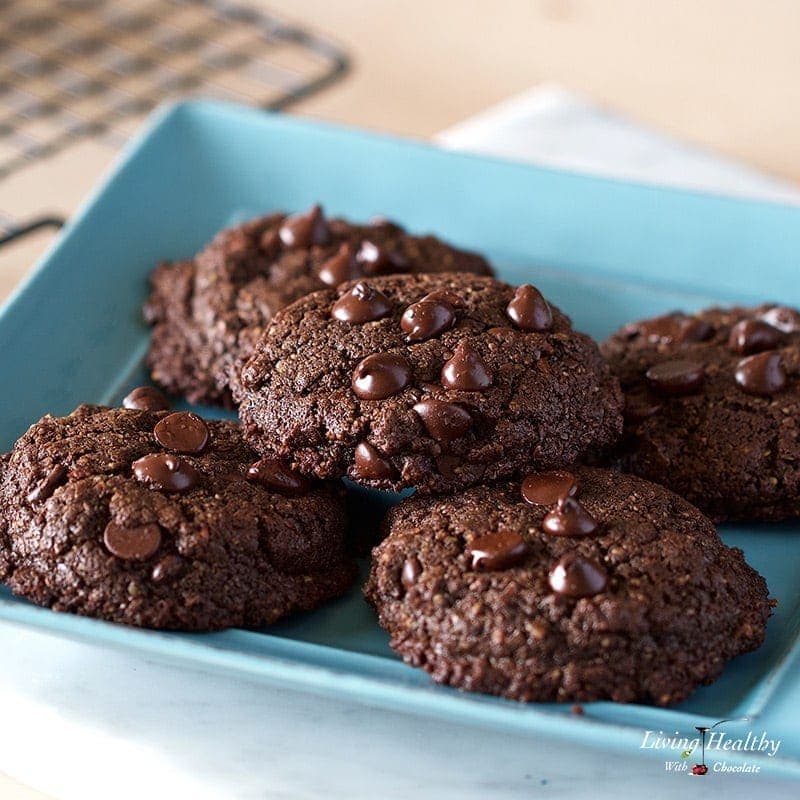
721, 73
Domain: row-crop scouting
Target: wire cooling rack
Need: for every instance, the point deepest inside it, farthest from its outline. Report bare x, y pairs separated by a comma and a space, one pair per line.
72, 70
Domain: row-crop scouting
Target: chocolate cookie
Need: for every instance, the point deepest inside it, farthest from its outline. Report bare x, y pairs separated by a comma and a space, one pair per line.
712, 408
164, 521
431, 381
576, 586
208, 312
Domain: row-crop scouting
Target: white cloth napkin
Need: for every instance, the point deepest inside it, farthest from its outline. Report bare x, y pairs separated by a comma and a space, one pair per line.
555, 128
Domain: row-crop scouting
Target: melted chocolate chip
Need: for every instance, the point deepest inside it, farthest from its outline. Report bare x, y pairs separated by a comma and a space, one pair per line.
575, 576
306, 229
675, 378
55, 478
444, 421
370, 464
377, 260
466, 370
753, 336
340, 267
411, 571
640, 405
361, 304
528, 310
546, 488
657, 329
445, 296
166, 472
499, 550
182, 432
427, 318
381, 375
168, 568
782, 318
762, 374
146, 398
275, 475
569, 518
132, 544
672, 328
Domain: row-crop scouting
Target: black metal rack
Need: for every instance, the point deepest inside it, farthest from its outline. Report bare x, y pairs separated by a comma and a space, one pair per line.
78, 69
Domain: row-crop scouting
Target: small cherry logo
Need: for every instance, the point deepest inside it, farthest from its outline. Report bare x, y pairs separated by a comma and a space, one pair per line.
699, 769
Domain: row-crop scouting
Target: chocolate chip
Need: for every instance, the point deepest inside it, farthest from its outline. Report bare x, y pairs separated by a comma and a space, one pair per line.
270, 243
499, 550
569, 518
377, 260
695, 330
444, 421
340, 267
306, 229
55, 478
132, 544
762, 374
427, 318
752, 336
672, 328
146, 398
411, 571
399, 262
466, 370
370, 464
576, 576
168, 568
275, 475
782, 318
675, 378
445, 296
182, 432
640, 405
361, 304
381, 375
546, 488
528, 310
166, 472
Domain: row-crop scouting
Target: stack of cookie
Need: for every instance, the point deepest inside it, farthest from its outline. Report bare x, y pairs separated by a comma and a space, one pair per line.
398, 362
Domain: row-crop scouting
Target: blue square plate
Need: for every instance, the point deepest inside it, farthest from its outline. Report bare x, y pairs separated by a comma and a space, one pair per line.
613, 252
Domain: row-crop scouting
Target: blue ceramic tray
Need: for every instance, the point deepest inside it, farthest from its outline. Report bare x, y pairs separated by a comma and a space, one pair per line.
613, 251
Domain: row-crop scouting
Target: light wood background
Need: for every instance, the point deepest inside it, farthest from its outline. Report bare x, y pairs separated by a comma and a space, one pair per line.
720, 73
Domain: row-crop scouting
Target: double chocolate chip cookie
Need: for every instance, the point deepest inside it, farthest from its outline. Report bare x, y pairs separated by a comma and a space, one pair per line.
712, 407
164, 520
207, 312
566, 586
436, 382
